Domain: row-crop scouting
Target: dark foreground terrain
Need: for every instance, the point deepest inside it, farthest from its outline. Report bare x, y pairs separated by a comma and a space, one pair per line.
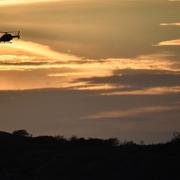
51, 158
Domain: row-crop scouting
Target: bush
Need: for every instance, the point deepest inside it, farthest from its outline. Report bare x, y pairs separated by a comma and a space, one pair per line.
21, 132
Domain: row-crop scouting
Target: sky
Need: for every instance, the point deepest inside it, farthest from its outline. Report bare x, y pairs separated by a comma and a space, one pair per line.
94, 68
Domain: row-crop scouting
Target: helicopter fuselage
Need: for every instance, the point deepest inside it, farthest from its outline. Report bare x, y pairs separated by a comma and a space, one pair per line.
7, 37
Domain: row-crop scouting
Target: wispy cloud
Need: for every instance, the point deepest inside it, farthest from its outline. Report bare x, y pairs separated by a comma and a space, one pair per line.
42, 50
175, 42
131, 112
30, 57
26, 51
148, 91
170, 24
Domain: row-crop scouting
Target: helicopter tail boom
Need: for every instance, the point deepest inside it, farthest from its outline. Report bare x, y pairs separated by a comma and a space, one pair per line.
18, 35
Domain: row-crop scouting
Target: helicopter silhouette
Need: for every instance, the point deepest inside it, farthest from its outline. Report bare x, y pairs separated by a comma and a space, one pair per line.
8, 36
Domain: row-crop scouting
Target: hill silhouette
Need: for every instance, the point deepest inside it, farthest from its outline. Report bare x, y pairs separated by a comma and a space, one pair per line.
44, 157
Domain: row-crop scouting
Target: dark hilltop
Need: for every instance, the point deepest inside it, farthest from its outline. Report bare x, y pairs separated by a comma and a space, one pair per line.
24, 157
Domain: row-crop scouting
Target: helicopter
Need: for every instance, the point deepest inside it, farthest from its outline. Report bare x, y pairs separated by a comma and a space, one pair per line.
8, 36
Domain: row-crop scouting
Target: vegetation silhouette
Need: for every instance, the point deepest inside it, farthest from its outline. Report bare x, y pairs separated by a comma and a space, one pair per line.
21, 132
45, 157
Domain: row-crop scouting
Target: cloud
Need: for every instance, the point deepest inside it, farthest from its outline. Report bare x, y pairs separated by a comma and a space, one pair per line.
105, 30
26, 55
175, 42
145, 71
42, 50
138, 78
136, 82
104, 36
57, 59
147, 91
131, 112
170, 24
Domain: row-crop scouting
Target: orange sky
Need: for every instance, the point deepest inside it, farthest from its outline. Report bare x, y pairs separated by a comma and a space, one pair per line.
115, 61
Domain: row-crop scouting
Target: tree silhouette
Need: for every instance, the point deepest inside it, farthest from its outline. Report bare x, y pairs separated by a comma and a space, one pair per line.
176, 137
21, 132
48, 157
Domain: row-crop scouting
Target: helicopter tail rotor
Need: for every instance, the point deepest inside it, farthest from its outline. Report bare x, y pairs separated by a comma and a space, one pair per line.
18, 35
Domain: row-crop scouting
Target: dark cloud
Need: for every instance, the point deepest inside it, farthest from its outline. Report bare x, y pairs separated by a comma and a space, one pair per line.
137, 79
22, 63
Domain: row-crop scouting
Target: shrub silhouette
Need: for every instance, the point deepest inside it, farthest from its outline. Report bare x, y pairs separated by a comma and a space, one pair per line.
21, 132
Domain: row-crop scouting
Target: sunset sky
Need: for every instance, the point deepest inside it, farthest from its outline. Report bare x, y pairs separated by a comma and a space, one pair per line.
91, 68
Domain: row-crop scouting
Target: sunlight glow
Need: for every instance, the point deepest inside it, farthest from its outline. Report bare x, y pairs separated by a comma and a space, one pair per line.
41, 50
68, 71
17, 2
